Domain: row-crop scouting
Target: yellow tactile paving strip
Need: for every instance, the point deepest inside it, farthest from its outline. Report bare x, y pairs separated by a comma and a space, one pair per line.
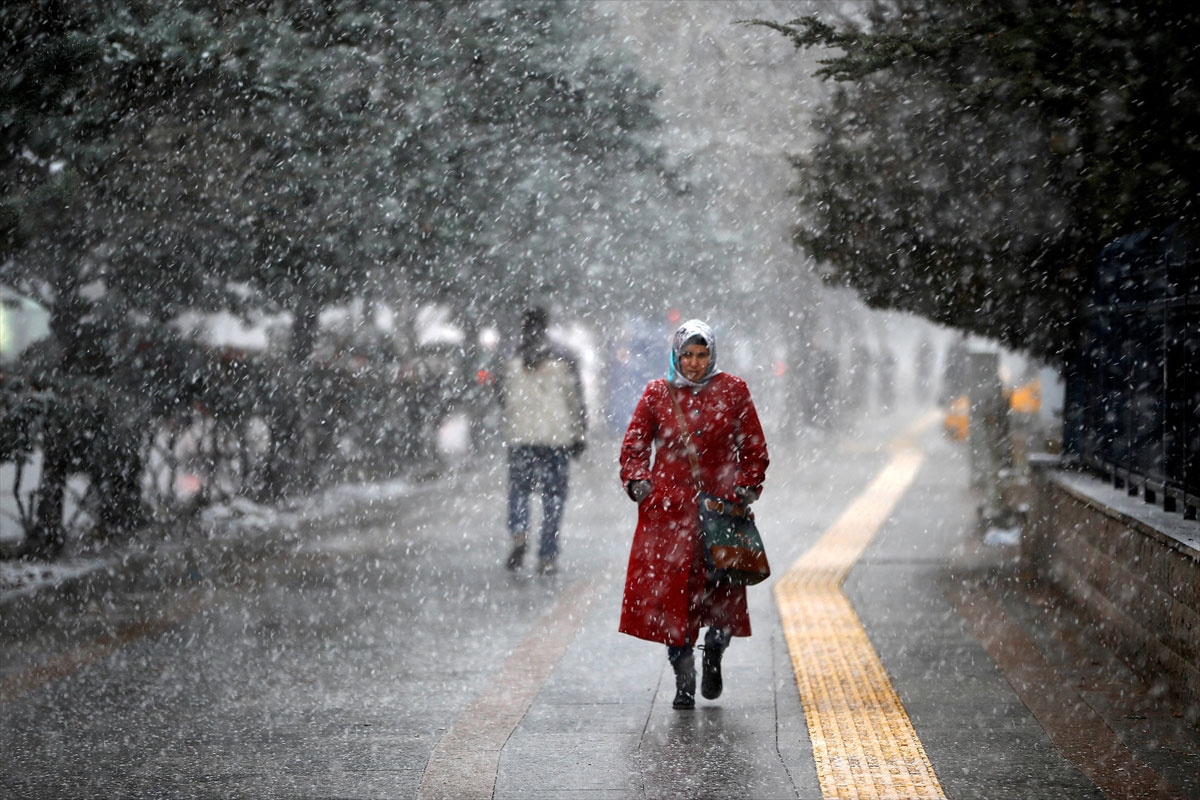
863, 742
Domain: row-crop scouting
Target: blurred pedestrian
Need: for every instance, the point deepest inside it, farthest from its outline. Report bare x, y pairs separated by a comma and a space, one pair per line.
669, 592
923, 369
545, 425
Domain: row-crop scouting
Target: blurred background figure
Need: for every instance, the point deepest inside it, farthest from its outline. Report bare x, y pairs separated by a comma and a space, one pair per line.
545, 425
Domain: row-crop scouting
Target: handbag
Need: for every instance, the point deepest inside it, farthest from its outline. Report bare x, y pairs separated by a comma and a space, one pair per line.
733, 547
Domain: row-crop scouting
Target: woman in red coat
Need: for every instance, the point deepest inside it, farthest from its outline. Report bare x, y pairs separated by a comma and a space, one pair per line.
669, 594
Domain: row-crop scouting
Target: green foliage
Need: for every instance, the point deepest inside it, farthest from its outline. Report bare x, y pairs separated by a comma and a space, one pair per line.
309, 153
976, 157
157, 158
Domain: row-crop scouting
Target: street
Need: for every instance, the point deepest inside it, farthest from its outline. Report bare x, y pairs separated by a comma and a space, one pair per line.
374, 646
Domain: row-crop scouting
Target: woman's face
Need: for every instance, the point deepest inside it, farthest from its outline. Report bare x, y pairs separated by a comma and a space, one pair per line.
693, 361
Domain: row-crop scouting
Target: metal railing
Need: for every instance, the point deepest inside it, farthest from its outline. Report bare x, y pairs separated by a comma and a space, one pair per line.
1132, 410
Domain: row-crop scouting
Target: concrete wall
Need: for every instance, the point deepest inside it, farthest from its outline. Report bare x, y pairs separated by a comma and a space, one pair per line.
1133, 568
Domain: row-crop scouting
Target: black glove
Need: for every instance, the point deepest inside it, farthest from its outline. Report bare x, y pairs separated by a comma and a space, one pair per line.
577, 447
637, 490
747, 494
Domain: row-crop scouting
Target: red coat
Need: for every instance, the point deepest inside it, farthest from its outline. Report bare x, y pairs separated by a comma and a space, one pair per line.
665, 598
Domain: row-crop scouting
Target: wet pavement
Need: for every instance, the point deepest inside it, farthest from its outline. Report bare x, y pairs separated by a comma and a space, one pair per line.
371, 645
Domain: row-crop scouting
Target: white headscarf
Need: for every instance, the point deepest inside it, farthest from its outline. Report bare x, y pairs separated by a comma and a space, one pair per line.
692, 329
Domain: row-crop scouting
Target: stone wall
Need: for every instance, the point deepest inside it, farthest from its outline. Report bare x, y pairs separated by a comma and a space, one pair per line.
1133, 568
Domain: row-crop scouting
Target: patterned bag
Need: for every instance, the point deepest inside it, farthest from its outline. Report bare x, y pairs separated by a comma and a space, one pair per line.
735, 550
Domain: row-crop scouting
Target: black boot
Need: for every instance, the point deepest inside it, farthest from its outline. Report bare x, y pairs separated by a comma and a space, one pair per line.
518, 553
685, 680
711, 683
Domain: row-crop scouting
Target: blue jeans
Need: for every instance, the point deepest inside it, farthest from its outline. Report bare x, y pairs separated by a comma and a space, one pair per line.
531, 467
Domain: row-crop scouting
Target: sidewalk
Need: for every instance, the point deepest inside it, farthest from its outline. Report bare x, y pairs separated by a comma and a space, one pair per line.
1008, 697
33, 592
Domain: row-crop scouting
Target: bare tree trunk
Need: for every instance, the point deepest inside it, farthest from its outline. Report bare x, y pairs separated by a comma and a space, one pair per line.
47, 536
287, 466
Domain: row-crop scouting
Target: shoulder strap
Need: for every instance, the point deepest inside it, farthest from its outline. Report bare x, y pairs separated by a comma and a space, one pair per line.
689, 445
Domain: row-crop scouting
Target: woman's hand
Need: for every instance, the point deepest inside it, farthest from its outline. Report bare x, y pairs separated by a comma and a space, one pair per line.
637, 490
747, 494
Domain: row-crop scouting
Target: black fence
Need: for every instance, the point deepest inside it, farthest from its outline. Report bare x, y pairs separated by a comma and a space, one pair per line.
1132, 409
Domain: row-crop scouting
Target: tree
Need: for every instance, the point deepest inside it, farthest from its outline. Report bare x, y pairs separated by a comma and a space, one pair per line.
316, 151
205, 151
976, 157
289, 155
550, 158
